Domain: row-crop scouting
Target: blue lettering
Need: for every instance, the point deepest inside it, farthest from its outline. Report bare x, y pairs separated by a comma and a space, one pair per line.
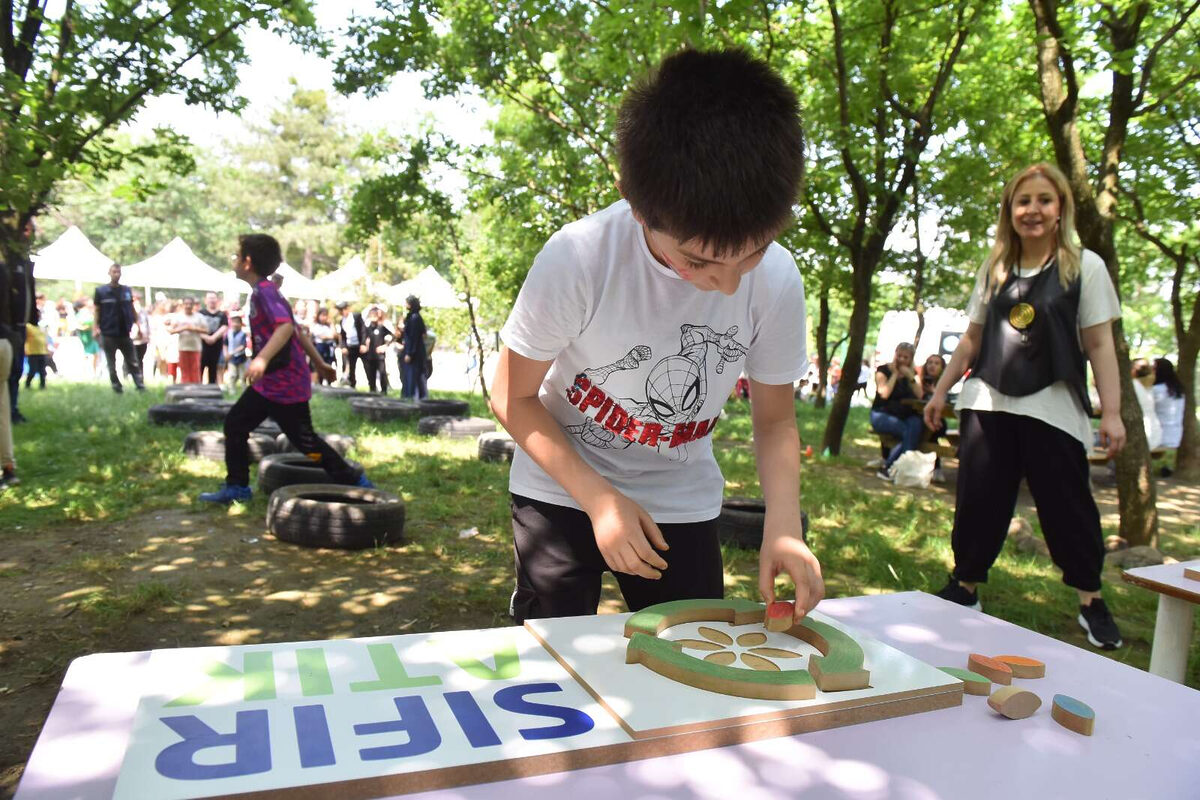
251, 742
471, 719
414, 720
312, 736
574, 721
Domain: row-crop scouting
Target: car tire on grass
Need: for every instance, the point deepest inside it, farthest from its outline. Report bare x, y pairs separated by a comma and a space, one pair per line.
211, 445
188, 413
443, 407
338, 391
341, 444
455, 427
269, 427
383, 409
328, 515
181, 391
496, 446
288, 469
741, 522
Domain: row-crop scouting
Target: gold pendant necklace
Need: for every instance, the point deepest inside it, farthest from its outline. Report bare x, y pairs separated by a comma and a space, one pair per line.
1021, 315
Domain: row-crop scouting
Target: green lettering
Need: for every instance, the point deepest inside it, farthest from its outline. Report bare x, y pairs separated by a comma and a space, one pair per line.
257, 676
314, 672
391, 672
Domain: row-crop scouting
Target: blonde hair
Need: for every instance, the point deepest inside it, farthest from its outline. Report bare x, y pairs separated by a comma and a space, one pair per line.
1006, 249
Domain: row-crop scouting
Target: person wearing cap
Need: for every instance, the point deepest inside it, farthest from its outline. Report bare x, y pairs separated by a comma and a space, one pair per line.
351, 334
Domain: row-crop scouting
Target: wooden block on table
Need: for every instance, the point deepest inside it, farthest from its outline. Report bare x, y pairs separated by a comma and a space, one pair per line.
974, 683
1023, 667
990, 668
779, 616
1073, 715
1015, 702
1192, 572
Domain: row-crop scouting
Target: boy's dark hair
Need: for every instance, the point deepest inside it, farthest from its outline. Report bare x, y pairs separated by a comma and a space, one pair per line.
265, 254
711, 149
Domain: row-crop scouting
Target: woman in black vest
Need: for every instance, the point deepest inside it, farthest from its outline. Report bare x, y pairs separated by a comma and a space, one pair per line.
1041, 304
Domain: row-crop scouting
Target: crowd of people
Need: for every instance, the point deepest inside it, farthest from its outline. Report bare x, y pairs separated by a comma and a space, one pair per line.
193, 340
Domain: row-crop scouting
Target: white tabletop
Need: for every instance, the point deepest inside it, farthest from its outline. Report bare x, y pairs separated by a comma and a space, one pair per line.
1167, 579
1146, 743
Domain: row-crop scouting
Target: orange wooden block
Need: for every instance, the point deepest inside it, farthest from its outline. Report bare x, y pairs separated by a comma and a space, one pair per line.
995, 671
1023, 667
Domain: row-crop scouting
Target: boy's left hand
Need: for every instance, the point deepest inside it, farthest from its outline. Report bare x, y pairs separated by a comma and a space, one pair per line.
255, 370
784, 551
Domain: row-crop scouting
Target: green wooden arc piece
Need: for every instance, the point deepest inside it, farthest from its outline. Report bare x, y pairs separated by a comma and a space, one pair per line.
838, 668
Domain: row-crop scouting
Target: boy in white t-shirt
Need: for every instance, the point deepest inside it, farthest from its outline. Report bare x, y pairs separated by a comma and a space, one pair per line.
630, 331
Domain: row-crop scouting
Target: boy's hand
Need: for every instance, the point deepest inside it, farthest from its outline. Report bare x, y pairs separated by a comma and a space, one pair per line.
624, 533
784, 551
256, 369
326, 372
933, 411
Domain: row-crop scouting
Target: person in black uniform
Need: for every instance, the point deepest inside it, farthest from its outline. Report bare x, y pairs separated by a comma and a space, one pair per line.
351, 333
374, 349
114, 319
1024, 412
212, 344
19, 295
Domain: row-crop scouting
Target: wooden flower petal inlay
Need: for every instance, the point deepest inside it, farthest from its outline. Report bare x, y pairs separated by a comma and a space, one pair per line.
698, 644
724, 658
774, 652
714, 635
751, 639
754, 662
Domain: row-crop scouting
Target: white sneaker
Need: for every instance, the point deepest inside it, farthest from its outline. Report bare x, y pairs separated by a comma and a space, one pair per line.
884, 475
875, 463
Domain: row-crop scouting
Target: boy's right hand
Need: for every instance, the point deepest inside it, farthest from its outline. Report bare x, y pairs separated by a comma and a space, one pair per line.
624, 533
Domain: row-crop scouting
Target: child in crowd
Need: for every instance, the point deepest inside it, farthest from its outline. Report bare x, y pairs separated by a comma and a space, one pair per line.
37, 351
235, 353
280, 387
629, 334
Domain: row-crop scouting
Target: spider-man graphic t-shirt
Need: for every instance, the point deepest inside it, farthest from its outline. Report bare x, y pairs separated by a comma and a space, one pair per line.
644, 361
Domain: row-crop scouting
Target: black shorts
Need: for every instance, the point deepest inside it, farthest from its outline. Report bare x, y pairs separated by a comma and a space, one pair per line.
559, 566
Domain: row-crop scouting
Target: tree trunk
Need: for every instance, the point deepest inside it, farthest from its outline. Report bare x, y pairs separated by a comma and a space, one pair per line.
306, 263
860, 314
823, 345
1187, 458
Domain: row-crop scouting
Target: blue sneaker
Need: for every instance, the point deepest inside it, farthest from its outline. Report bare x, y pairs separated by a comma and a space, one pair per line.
364, 482
228, 493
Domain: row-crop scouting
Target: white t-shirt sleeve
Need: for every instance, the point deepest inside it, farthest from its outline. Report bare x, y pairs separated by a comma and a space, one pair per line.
778, 351
1097, 298
976, 307
553, 305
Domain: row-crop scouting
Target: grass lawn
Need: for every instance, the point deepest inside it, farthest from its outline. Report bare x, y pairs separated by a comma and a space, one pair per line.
105, 548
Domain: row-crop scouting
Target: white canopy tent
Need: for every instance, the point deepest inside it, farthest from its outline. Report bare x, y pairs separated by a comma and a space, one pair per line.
71, 257
295, 285
346, 282
429, 286
177, 267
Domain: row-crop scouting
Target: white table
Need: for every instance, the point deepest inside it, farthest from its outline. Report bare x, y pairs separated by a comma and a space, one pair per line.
1146, 743
1178, 597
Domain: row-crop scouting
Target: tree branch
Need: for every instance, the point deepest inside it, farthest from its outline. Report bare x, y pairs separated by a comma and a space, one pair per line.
857, 183
1152, 55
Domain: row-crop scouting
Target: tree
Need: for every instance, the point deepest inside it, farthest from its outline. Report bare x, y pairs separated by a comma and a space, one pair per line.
1162, 208
1150, 60
73, 76
295, 175
872, 108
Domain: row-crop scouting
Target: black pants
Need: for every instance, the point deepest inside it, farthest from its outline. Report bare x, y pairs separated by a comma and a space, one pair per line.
352, 356
559, 565
18, 366
210, 361
294, 419
37, 368
123, 343
139, 355
376, 366
996, 450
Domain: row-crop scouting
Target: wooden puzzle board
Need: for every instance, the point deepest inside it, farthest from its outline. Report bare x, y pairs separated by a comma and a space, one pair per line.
384, 716
647, 704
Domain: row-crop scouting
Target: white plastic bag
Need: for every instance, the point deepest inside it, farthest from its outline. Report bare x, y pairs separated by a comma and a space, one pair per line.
914, 469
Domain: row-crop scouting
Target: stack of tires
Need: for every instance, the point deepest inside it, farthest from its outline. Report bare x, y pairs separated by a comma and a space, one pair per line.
741, 522
338, 391
287, 469
328, 515
211, 445
191, 404
384, 409
496, 446
455, 427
